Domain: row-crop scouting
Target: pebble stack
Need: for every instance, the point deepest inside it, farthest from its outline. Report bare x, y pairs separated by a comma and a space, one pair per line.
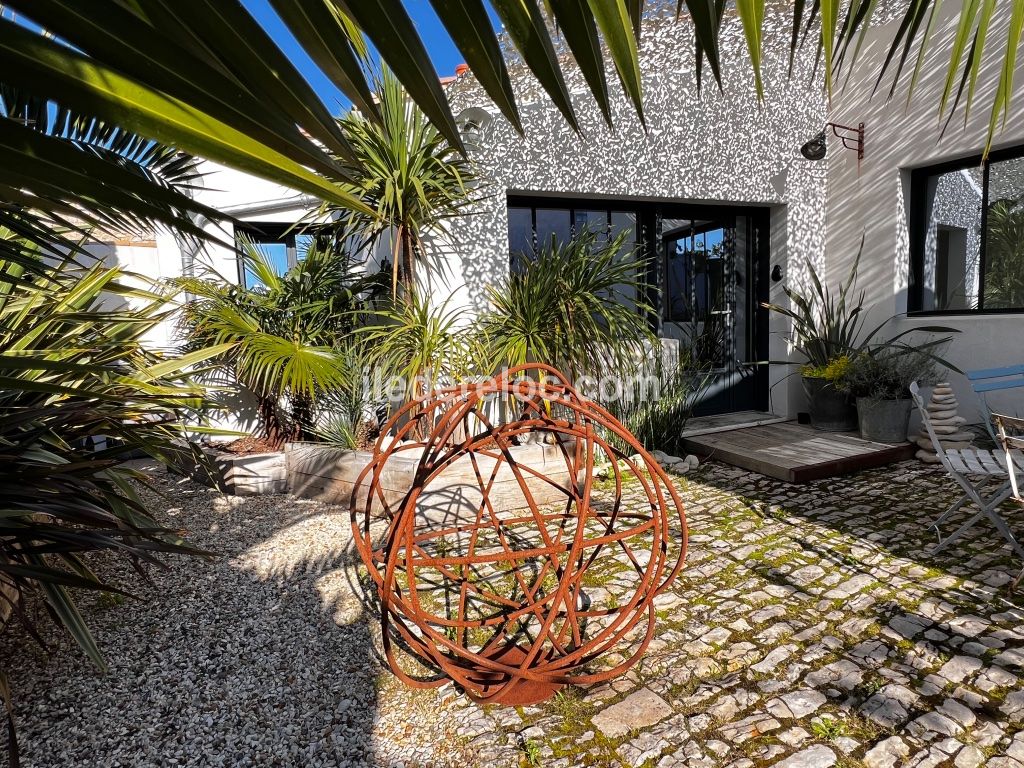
947, 423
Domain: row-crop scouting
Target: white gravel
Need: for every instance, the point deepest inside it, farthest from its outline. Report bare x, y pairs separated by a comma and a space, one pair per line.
262, 656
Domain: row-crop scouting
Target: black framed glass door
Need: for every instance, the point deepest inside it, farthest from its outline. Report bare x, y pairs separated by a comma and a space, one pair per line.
712, 284
707, 277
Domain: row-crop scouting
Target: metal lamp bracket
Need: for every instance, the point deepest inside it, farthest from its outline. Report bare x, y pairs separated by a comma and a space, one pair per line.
852, 138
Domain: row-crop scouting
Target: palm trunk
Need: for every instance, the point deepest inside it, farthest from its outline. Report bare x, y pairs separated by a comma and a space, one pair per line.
273, 430
408, 253
302, 417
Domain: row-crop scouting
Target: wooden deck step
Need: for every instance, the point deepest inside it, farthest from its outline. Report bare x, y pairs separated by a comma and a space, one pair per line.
796, 453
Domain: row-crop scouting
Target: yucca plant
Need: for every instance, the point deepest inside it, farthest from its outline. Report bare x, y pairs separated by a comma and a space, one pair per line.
828, 326
350, 414
79, 394
425, 346
658, 399
284, 331
579, 305
411, 177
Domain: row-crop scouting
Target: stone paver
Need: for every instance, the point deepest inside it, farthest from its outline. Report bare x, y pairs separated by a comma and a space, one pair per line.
638, 710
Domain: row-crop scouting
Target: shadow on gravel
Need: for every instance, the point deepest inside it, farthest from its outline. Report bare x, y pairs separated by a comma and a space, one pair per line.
261, 656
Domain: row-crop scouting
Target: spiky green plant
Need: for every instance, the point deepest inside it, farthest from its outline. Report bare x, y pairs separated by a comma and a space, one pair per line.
424, 345
79, 394
284, 331
657, 400
578, 305
188, 76
403, 168
829, 325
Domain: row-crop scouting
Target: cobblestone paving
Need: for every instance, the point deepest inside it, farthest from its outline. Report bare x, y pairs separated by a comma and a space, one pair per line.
809, 628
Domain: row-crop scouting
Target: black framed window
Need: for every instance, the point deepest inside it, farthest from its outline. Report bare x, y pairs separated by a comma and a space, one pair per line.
967, 236
280, 242
533, 223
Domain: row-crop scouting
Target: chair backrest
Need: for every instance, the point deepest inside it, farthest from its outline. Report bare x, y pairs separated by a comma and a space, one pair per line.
988, 380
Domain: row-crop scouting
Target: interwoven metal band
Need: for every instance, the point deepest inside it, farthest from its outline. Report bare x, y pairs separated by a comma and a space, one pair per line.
513, 597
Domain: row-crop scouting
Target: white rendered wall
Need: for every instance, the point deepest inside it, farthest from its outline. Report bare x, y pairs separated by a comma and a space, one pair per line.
873, 200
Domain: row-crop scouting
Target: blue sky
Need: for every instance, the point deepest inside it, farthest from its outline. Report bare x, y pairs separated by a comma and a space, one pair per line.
442, 50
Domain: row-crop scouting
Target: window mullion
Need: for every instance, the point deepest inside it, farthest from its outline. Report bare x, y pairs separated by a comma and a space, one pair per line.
983, 245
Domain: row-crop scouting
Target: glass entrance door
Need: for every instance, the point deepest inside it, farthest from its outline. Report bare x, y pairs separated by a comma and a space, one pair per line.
710, 299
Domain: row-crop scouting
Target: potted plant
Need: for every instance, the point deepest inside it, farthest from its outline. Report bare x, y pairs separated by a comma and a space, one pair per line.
831, 407
828, 329
879, 379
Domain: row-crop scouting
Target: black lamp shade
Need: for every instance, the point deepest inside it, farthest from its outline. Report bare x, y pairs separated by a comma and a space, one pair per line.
815, 148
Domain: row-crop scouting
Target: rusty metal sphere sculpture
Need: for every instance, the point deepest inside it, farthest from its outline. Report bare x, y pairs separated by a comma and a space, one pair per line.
494, 567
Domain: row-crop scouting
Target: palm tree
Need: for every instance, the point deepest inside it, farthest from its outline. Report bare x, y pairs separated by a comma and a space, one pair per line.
200, 76
79, 395
411, 177
578, 305
283, 332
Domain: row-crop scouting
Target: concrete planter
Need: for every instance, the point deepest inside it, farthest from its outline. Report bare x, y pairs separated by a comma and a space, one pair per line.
328, 474
245, 475
884, 421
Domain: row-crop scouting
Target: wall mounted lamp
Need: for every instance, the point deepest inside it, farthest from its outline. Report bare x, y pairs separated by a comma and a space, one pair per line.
473, 124
852, 138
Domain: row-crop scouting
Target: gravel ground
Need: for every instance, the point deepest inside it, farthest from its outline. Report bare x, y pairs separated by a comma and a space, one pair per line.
260, 656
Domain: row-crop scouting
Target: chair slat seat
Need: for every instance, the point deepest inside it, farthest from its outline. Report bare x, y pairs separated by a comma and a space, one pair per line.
984, 465
979, 461
975, 462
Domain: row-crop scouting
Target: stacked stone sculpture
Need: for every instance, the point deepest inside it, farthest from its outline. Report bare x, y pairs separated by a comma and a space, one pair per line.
946, 422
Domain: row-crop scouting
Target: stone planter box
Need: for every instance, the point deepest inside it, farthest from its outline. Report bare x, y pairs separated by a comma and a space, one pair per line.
245, 475
328, 474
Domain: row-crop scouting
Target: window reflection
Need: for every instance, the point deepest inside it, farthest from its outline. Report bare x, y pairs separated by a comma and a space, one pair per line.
1003, 277
950, 278
969, 236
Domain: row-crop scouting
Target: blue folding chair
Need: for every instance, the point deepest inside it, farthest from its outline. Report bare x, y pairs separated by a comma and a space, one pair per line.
985, 477
988, 380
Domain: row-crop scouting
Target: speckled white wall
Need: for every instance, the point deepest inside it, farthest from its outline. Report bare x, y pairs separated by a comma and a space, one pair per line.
708, 146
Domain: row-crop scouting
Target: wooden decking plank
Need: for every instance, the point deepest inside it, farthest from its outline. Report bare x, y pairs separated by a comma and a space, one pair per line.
796, 453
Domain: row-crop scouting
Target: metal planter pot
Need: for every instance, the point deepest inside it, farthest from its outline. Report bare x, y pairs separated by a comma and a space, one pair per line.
830, 409
883, 421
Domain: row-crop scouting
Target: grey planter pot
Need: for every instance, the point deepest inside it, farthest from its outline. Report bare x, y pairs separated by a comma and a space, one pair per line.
883, 421
830, 409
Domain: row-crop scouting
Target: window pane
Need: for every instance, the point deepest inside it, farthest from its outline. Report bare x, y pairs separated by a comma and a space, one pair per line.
1004, 236
276, 253
625, 221
678, 284
952, 244
520, 230
592, 221
552, 221
520, 236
